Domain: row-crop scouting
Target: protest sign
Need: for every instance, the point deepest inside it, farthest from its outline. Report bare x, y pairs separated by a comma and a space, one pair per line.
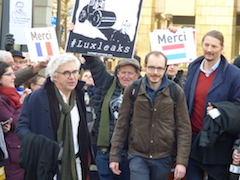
179, 47
42, 43
20, 17
104, 28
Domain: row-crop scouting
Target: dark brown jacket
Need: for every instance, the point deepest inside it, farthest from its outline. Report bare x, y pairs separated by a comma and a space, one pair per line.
153, 130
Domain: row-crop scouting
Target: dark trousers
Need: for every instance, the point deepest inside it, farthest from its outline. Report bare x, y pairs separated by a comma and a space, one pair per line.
102, 162
149, 169
195, 171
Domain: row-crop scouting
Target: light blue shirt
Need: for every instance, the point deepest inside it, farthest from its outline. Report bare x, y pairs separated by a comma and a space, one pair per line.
212, 69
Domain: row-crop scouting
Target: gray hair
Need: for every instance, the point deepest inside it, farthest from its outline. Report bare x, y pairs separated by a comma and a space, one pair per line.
54, 64
4, 55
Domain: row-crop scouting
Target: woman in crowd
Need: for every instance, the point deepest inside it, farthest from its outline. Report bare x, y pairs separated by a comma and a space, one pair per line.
35, 82
10, 107
86, 76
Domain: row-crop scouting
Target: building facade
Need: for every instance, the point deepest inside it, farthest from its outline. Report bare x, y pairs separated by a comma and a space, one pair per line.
204, 15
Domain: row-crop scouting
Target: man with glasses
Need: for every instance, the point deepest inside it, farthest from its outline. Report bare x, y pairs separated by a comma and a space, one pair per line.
22, 75
57, 111
158, 132
19, 60
19, 63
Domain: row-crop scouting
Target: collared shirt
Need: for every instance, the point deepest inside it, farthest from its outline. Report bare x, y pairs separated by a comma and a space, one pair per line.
215, 66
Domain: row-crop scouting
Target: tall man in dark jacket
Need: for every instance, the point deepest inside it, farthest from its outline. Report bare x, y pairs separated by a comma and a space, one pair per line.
158, 131
57, 111
210, 80
106, 101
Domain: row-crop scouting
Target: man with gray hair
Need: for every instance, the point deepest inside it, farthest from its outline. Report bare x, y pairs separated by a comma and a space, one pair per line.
57, 111
24, 74
106, 102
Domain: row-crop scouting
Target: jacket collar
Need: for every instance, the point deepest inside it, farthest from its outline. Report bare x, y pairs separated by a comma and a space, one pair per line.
162, 85
223, 63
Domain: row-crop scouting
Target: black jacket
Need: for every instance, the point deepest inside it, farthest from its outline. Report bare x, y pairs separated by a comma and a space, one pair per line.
178, 79
215, 141
41, 114
38, 156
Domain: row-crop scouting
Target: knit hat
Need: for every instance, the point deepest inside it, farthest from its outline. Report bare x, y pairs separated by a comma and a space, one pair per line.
132, 62
237, 62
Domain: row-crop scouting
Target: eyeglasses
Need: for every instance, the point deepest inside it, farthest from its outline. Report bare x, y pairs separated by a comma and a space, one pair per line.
38, 84
173, 65
19, 62
68, 74
152, 68
9, 74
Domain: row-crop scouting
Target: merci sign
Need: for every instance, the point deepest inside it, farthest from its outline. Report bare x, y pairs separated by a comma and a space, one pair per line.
42, 43
179, 47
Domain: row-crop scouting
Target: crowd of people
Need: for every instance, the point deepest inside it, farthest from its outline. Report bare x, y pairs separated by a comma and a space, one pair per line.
78, 121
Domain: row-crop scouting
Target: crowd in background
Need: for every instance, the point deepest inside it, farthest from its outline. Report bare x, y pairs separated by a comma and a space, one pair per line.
122, 125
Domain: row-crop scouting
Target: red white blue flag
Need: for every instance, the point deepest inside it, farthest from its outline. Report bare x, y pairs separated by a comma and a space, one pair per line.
179, 47
175, 51
42, 43
44, 49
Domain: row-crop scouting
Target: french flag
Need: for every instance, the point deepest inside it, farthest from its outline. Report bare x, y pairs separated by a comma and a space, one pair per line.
44, 49
175, 51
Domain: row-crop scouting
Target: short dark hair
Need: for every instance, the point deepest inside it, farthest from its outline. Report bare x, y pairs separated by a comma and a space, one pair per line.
3, 68
216, 34
156, 53
33, 80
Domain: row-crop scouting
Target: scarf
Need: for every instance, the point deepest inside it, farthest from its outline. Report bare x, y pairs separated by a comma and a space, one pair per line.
103, 134
12, 94
65, 137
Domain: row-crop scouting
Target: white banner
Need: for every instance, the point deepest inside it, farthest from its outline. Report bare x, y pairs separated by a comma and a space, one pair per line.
42, 43
20, 17
104, 28
179, 47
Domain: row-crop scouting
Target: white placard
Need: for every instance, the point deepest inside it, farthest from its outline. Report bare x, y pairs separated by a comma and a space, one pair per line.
20, 17
104, 28
42, 43
179, 47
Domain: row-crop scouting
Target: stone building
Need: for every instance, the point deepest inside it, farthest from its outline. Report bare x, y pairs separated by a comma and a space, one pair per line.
204, 15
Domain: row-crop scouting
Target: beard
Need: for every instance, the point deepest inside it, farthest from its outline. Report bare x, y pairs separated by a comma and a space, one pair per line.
208, 59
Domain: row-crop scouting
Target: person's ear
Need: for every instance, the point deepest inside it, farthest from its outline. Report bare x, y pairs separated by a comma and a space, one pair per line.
222, 48
145, 67
32, 86
54, 78
117, 74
